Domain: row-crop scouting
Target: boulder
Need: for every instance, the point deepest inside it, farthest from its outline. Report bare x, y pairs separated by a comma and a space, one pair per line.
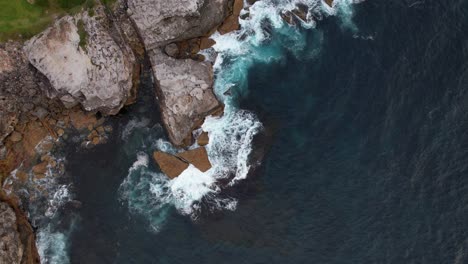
170, 165
86, 61
197, 157
161, 22
185, 92
203, 139
329, 2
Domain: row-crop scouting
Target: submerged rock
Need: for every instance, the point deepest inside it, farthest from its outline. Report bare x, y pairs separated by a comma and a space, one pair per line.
85, 61
161, 22
185, 91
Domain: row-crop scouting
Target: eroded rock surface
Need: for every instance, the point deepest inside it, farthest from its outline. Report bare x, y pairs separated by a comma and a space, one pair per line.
11, 249
17, 239
161, 22
86, 61
185, 90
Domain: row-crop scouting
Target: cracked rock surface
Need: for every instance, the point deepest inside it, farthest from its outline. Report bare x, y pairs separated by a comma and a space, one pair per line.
86, 61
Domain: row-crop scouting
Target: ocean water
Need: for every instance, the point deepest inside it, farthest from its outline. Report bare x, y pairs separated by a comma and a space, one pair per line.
362, 119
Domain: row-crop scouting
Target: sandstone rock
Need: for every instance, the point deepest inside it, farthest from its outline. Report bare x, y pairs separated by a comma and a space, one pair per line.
170, 165
197, 157
81, 120
232, 21
16, 136
206, 43
11, 248
184, 88
40, 168
85, 61
161, 22
203, 139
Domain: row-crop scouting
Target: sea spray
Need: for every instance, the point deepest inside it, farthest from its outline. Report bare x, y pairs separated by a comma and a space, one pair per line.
262, 39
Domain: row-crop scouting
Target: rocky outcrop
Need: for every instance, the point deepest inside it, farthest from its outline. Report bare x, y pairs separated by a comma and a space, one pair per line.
161, 22
86, 61
185, 92
174, 165
170, 165
197, 157
17, 239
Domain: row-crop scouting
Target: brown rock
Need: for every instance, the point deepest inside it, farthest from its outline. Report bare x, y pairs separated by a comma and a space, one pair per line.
203, 139
96, 141
170, 165
206, 43
329, 2
60, 132
40, 168
197, 157
16, 136
81, 120
232, 22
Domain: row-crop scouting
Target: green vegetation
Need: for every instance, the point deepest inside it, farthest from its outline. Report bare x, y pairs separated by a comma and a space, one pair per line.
21, 20
83, 34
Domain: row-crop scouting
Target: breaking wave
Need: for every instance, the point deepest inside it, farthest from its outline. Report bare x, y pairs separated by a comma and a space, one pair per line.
263, 37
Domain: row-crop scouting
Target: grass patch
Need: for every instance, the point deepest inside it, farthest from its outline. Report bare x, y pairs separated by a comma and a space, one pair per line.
83, 34
21, 20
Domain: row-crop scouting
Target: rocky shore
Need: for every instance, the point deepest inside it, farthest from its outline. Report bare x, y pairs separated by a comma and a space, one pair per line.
84, 68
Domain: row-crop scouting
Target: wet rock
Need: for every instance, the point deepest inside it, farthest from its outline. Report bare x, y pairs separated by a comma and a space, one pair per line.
206, 43
85, 61
232, 21
161, 22
203, 139
197, 157
81, 120
40, 168
329, 2
185, 91
170, 165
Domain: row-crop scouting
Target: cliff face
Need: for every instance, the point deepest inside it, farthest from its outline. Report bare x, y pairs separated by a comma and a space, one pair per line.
185, 94
161, 22
184, 85
17, 239
85, 62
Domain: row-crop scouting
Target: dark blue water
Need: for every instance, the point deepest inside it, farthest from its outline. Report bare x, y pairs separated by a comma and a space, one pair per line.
367, 163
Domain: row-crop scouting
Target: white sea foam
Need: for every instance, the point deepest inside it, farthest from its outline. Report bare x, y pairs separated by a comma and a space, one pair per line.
52, 246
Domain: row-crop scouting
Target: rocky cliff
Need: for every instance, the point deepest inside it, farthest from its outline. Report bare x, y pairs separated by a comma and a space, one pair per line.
185, 94
86, 61
161, 22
